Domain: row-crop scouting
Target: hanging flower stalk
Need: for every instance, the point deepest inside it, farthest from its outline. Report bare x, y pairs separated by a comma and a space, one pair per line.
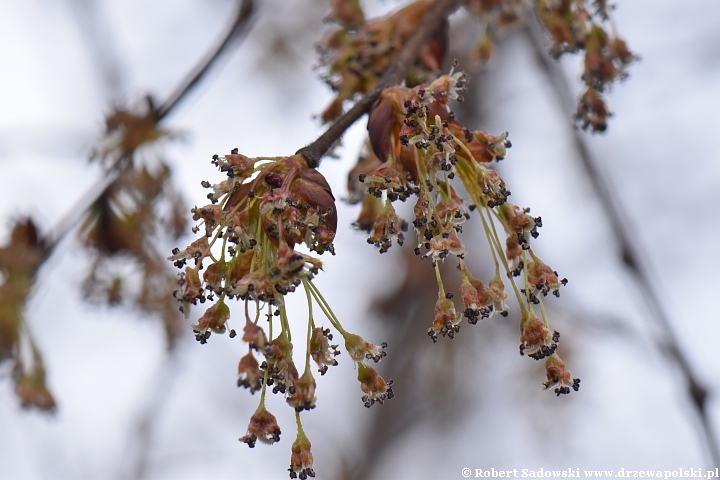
430, 155
247, 251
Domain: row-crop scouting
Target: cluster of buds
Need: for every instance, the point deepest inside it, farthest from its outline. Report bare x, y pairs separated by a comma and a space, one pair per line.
357, 54
247, 251
419, 149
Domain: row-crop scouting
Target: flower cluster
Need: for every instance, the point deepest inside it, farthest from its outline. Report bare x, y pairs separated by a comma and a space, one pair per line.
581, 26
124, 224
19, 262
420, 150
357, 54
250, 231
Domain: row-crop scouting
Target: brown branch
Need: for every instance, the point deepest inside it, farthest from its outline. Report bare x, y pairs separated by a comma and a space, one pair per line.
395, 74
629, 249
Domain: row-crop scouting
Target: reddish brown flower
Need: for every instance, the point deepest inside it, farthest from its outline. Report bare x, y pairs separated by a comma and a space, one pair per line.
249, 374
535, 339
542, 278
447, 319
559, 376
323, 353
301, 459
301, 395
373, 385
263, 426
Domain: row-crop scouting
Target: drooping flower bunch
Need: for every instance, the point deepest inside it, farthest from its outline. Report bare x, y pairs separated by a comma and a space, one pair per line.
267, 208
248, 251
430, 155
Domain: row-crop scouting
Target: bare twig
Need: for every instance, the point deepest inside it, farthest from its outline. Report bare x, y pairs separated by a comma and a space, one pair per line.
237, 30
395, 74
629, 249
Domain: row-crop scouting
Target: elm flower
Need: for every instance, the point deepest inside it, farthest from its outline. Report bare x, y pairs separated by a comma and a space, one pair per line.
263, 426
535, 339
301, 459
254, 335
281, 368
542, 278
496, 290
301, 394
559, 377
213, 319
447, 319
321, 351
361, 350
249, 374
373, 385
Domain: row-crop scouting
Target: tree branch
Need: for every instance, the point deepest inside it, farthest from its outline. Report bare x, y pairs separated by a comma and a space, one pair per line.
394, 75
237, 30
629, 250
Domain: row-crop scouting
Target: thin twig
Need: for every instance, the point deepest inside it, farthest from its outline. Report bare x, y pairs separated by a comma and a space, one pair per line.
628, 245
395, 74
235, 32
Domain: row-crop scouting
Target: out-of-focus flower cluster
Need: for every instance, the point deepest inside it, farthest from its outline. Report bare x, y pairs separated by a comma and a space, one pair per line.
19, 262
248, 250
574, 26
429, 155
135, 213
121, 228
584, 26
356, 55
